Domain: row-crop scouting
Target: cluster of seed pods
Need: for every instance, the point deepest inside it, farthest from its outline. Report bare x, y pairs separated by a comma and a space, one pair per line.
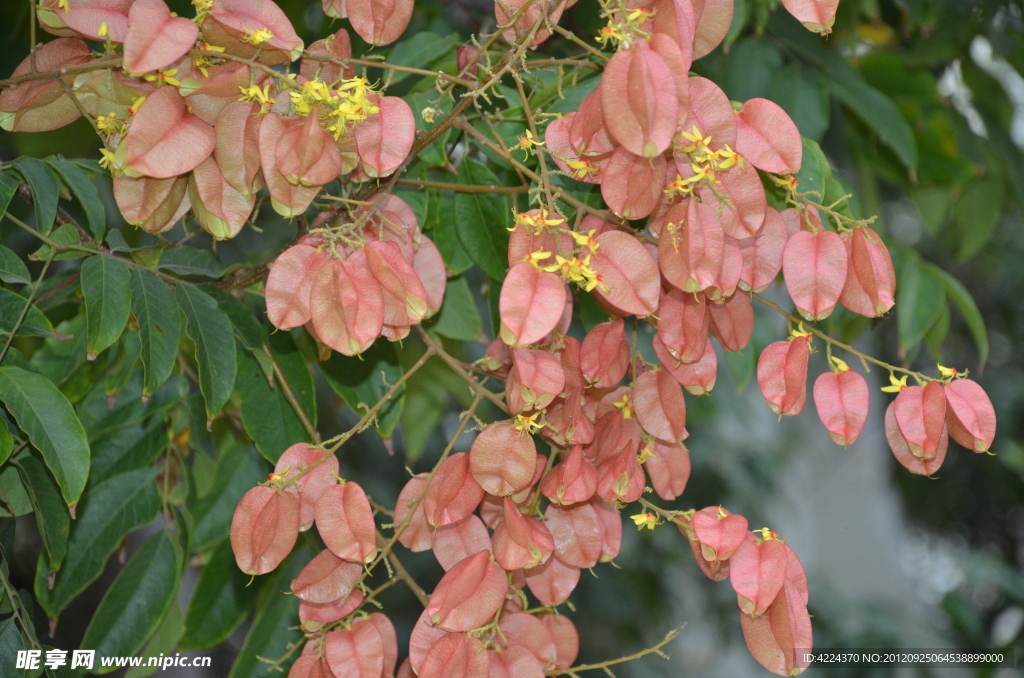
187, 127
378, 276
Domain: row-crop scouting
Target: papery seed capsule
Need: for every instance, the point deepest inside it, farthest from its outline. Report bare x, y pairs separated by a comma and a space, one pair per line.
422, 638
288, 200
334, 51
154, 205
762, 254
567, 422
815, 267
757, 571
659, 405
774, 637
521, 541
588, 134
691, 246
326, 578
306, 154
612, 432
713, 17
639, 100
668, 467
156, 38
347, 305
289, 285
611, 521
782, 375
313, 615
732, 322
310, 666
313, 482
768, 138
627, 274
567, 639
379, 22
264, 529
230, 22
719, 532
457, 541
552, 582
455, 655
525, 630
220, 210
532, 233
815, 15
738, 199
453, 493
43, 105
604, 356
468, 594
385, 138
405, 300
970, 417
345, 522
921, 414
631, 184
901, 448
514, 661
502, 459
530, 305
620, 477
578, 531
870, 288
535, 380
697, 378
683, 321
84, 18
728, 279
711, 113
842, 401
417, 534
164, 139
572, 480
390, 638
357, 652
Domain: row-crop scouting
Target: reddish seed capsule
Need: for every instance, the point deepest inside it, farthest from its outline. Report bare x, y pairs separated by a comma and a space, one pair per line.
567, 639
264, 529
345, 522
320, 476
578, 531
385, 138
659, 405
631, 185
417, 534
711, 113
815, 15
572, 480
901, 448
870, 287
921, 414
525, 630
326, 578
453, 493
815, 267
668, 467
842, 401
620, 477
757, 571
729, 275
164, 139
514, 661
683, 322
739, 201
691, 246
535, 380
357, 652
732, 322
346, 304
604, 356
567, 422
552, 582
774, 637
313, 615
531, 304
641, 109
457, 541
310, 666
455, 655
468, 594
521, 542
306, 154
628, 274
156, 38
719, 532
697, 378
782, 375
502, 459
762, 254
970, 417
768, 138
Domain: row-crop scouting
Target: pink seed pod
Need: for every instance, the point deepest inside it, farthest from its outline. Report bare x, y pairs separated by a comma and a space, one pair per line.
588, 134
815, 266
552, 582
782, 375
154, 205
333, 51
683, 321
525, 630
870, 288
264, 529
612, 432
430, 269
455, 655
457, 541
453, 493
82, 18
567, 422
43, 105
679, 63
468, 594
570, 481
385, 138
164, 139
310, 666
817, 16
514, 661
728, 279
611, 520
357, 652
742, 210
379, 22
970, 417
417, 535
842, 401
921, 414
326, 578
762, 254
221, 210
535, 380
521, 542
156, 38
229, 21
313, 616
502, 459
405, 300
668, 468
620, 477
578, 532
676, 20
901, 448
467, 60
732, 322
697, 378
390, 638
659, 405
604, 355
719, 532
691, 246
713, 17
631, 184
422, 638
774, 637
288, 200
639, 100
306, 154
530, 305
346, 304
768, 138
567, 639
290, 283
627, 273
711, 113
532, 233
345, 522
757, 571
320, 476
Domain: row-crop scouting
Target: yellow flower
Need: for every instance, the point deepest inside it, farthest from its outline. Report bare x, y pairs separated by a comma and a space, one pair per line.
109, 125
947, 372
536, 257
581, 168
102, 30
626, 405
895, 385
162, 78
586, 240
528, 424
262, 96
258, 37
642, 520
107, 159
429, 114
840, 365
766, 535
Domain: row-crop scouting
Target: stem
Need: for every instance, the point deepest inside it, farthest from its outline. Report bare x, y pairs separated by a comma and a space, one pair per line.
462, 188
289, 395
656, 649
28, 305
476, 386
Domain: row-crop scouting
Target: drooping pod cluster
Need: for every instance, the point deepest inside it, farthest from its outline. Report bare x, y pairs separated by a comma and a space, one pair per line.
378, 278
186, 127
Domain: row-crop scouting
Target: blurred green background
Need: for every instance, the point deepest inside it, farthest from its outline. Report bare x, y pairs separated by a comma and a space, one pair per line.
919, 107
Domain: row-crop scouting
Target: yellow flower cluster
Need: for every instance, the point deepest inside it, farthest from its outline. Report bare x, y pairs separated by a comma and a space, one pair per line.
624, 27
349, 103
258, 37
705, 163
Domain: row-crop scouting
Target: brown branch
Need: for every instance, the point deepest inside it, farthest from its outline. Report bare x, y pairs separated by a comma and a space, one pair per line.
462, 188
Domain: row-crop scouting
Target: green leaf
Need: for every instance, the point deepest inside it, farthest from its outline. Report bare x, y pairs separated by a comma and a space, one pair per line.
295, 369
220, 601
12, 268
6, 441
45, 191
458, 318
481, 220
159, 327
876, 110
109, 511
192, 261
749, 68
238, 470
14, 499
35, 324
273, 629
81, 184
247, 328
52, 517
210, 329
741, 364
446, 236
10, 644
814, 170
964, 302
108, 298
48, 419
360, 381
8, 187
976, 214
919, 301
571, 99
801, 93
126, 449
427, 395
268, 418
932, 203
135, 603
419, 51
163, 642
